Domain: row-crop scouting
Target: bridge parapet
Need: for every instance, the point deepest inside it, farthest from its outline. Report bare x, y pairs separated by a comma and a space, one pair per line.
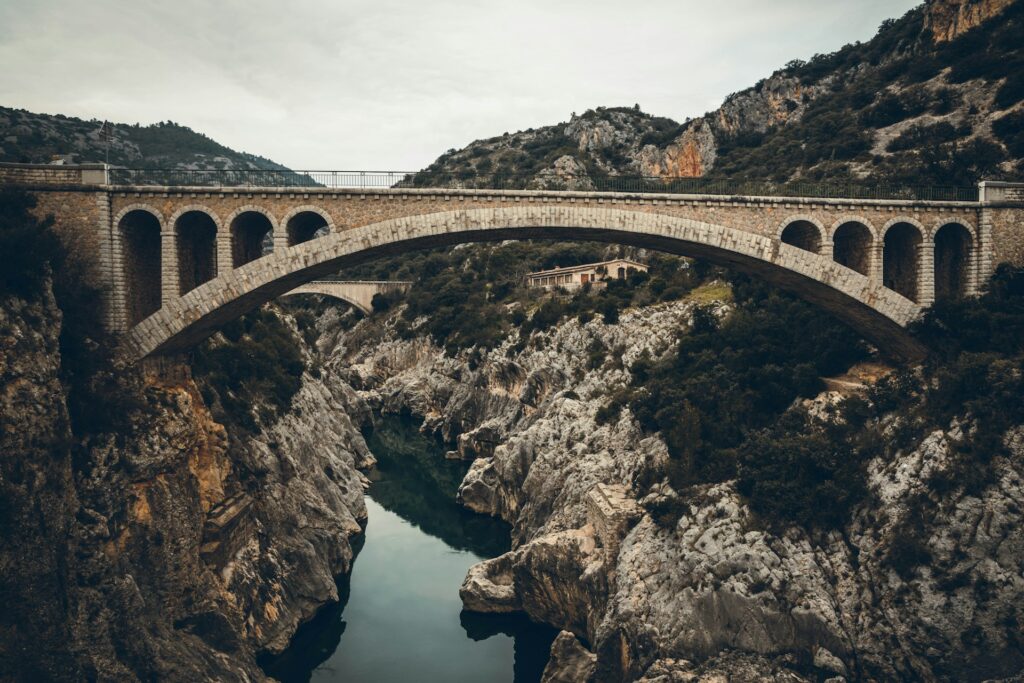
34, 175
999, 192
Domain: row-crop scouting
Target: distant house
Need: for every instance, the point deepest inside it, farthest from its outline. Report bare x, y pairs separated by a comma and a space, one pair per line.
575, 277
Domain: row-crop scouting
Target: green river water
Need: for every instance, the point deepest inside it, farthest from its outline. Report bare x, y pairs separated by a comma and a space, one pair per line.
399, 617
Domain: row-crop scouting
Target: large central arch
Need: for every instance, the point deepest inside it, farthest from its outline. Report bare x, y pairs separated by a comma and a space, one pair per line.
877, 313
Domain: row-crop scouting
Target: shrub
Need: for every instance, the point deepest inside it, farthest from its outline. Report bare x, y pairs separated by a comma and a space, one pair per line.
794, 473
1012, 91
255, 360
919, 136
732, 379
1010, 130
30, 248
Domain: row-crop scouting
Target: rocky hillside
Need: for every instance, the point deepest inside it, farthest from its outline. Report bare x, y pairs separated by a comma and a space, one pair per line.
140, 537
934, 98
27, 137
658, 570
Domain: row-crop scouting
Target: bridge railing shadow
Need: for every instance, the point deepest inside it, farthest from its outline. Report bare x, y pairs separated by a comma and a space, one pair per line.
546, 180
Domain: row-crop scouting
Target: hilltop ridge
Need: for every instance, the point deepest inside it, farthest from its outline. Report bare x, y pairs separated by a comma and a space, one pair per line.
934, 98
29, 137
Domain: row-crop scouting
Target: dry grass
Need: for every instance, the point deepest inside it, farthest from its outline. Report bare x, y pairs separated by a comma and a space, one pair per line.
711, 292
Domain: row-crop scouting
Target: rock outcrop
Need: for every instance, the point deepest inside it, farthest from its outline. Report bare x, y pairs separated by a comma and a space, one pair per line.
570, 662
948, 19
170, 550
714, 594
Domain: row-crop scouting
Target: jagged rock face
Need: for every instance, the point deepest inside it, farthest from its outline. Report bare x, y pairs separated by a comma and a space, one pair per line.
37, 496
948, 19
173, 550
731, 667
308, 505
570, 662
777, 100
717, 581
689, 156
651, 600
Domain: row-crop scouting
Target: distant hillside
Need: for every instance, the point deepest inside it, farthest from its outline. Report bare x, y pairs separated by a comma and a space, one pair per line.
934, 98
37, 138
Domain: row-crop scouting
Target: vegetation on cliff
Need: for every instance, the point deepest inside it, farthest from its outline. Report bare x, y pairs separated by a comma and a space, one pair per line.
27, 137
902, 108
251, 369
474, 296
724, 403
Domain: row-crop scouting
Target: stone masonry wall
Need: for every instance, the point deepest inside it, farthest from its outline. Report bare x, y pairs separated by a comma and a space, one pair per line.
92, 215
1007, 229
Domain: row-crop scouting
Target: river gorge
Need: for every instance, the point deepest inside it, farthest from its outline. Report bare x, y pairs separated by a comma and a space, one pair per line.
399, 617
619, 397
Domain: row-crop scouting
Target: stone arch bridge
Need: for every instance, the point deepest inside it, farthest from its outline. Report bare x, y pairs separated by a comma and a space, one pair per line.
178, 261
358, 293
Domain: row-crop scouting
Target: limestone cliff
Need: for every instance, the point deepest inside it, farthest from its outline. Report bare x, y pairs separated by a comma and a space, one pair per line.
933, 98
716, 592
170, 550
948, 19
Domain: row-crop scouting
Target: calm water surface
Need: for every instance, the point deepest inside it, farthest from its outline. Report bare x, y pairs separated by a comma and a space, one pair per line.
400, 617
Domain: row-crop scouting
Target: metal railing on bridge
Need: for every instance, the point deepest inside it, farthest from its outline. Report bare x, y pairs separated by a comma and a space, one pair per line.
542, 181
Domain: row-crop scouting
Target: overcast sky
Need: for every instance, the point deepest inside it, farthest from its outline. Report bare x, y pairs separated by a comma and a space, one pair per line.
389, 84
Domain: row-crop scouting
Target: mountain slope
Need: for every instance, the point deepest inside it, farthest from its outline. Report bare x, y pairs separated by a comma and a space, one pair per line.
36, 138
935, 97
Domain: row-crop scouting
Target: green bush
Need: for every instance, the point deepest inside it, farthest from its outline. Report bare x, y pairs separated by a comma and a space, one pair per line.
919, 136
794, 473
729, 380
1010, 130
30, 248
1012, 91
255, 360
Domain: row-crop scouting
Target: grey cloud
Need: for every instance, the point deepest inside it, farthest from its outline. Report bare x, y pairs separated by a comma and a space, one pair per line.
391, 84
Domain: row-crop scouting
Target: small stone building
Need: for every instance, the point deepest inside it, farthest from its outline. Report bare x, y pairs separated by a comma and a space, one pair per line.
575, 277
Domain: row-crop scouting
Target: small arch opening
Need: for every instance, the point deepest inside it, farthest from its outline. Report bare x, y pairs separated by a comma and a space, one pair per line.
952, 261
141, 256
851, 247
900, 259
305, 226
803, 234
196, 235
252, 237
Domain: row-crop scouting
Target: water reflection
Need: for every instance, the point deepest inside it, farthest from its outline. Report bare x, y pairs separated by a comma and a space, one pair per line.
415, 481
400, 617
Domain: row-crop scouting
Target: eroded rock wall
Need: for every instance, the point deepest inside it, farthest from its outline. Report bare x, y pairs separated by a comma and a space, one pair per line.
171, 550
716, 592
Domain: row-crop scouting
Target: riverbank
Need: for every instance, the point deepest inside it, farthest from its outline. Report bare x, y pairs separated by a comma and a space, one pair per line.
399, 617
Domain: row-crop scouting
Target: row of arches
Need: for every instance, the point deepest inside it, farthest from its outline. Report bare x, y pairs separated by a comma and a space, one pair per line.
201, 248
162, 260
902, 256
